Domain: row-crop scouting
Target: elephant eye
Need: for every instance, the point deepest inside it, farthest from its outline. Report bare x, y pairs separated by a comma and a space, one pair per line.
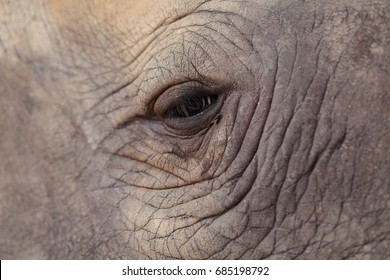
190, 106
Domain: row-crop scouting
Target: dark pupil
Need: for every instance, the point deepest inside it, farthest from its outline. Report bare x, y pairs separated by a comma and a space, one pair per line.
191, 106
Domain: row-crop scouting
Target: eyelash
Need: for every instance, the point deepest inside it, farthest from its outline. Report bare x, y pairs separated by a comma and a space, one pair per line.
190, 106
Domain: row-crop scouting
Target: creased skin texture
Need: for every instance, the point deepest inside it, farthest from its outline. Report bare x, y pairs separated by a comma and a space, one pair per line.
294, 164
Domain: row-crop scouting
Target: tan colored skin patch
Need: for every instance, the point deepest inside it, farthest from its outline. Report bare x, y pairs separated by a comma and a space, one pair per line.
132, 14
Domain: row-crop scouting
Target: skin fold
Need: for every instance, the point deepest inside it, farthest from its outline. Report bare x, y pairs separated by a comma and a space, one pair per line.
195, 129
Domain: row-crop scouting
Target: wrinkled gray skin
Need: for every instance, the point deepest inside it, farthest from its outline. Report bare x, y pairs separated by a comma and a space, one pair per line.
290, 158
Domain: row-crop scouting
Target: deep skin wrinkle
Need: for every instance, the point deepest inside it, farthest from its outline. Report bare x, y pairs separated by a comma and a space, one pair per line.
284, 156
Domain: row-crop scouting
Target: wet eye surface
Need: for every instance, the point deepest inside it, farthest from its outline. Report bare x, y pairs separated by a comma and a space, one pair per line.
189, 107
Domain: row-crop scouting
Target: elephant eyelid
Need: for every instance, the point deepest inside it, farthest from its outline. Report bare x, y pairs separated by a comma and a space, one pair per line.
188, 107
